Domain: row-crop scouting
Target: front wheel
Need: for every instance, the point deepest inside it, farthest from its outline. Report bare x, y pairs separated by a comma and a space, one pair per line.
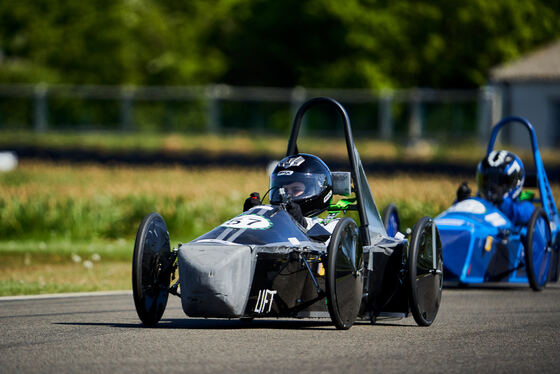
152, 265
345, 274
537, 250
425, 271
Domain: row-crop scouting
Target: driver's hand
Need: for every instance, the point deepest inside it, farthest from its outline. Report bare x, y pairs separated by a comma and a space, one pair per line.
254, 199
463, 192
295, 211
497, 195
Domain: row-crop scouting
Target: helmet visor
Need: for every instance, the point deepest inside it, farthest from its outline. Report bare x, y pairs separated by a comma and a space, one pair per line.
299, 185
494, 183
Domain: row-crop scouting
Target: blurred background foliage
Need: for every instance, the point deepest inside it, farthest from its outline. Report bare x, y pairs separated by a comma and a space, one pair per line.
314, 43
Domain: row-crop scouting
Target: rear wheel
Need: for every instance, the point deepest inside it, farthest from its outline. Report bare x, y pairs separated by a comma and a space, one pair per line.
391, 220
554, 261
345, 274
538, 250
425, 271
152, 265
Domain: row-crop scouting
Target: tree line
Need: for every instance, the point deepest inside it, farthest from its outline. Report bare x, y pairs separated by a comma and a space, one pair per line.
284, 43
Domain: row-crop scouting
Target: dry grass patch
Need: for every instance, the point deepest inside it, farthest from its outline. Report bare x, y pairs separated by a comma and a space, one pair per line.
63, 277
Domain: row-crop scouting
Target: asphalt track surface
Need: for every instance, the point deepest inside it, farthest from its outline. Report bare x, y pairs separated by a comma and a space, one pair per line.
481, 330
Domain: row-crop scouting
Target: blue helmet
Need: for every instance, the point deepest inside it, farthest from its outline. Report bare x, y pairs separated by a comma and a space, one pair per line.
500, 175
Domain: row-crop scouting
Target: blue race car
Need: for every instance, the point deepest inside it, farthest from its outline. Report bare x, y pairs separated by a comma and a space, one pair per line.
483, 244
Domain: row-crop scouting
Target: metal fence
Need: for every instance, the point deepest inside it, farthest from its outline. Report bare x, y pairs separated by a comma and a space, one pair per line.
412, 113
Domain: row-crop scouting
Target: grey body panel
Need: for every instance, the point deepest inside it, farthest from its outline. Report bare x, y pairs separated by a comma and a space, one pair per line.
215, 279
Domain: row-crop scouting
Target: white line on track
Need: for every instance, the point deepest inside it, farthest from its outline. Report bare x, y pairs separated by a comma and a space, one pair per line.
64, 295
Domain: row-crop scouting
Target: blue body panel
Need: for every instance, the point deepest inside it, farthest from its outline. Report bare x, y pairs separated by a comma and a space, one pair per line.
480, 244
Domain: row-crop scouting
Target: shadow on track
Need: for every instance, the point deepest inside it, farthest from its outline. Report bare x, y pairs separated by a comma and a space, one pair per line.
490, 286
236, 324
218, 324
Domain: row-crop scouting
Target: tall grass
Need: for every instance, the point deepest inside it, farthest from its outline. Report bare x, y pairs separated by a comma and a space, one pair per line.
43, 201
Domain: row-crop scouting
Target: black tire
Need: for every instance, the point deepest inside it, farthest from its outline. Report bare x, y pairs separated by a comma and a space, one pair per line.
425, 272
152, 265
537, 250
391, 220
554, 261
345, 274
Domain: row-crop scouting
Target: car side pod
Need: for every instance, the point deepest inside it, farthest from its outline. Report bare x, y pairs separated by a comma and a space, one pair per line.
215, 279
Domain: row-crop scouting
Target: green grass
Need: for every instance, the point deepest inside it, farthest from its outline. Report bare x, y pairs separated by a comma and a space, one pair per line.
106, 217
20, 287
63, 250
39, 278
66, 228
35, 267
237, 143
370, 147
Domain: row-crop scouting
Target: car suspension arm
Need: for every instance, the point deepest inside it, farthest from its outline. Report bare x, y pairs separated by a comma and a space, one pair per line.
320, 292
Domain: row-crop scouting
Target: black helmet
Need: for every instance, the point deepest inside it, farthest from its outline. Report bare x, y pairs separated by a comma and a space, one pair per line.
307, 179
500, 175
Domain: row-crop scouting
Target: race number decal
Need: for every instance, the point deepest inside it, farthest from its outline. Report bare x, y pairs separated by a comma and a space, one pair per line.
495, 219
248, 221
468, 206
450, 222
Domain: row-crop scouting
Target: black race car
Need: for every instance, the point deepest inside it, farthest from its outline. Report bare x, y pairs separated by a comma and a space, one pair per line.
264, 263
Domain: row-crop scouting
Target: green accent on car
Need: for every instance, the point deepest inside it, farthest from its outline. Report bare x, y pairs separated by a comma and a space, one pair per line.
527, 195
342, 204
